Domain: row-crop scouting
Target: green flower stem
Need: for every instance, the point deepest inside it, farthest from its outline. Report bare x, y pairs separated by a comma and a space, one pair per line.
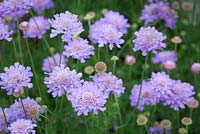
19, 43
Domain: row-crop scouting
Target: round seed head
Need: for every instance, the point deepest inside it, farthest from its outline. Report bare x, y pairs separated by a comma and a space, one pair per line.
186, 121
89, 70
165, 123
142, 120
100, 67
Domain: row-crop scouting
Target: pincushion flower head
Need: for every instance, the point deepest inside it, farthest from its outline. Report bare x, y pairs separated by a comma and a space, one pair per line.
88, 98
159, 10
148, 39
116, 19
31, 107
40, 5
66, 24
103, 33
15, 8
50, 62
62, 80
161, 83
110, 83
22, 126
181, 93
37, 27
15, 78
5, 32
79, 49
164, 56
148, 95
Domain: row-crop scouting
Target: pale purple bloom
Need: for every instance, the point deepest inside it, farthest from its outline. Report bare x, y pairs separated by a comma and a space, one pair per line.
66, 24
15, 78
50, 62
40, 5
17, 111
148, 39
181, 93
38, 27
79, 48
105, 34
161, 83
159, 10
62, 80
195, 67
5, 32
22, 126
88, 98
164, 56
157, 129
148, 95
15, 8
116, 19
110, 83
3, 126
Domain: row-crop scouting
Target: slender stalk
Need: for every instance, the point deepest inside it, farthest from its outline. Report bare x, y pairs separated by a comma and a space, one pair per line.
33, 67
187, 129
99, 49
15, 49
146, 128
5, 117
23, 108
178, 118
114, 66
142, 77
19, 43
118, 109
191, 111
77, 65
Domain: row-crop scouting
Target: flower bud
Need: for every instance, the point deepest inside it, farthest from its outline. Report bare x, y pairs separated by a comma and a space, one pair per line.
169, 65
44, 107
130, 60
176, 40
195, 68
17, 94
89, 70
38, 99
115, 58
24, 25
89, 16
100, 67
142, 120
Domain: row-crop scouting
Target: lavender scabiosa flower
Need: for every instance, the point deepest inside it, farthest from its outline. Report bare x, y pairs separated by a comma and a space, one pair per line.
161, 83
5, 32
110, 83
148, 95
79, 49
116, 19
148, 39
181, 93
50, 62
159, 10
88, 98
62, 80
3, 126
15, 8
103, 33
15, 78
157, 129
195, 68
31, 107
164, 56
66, 24
40, 5
38, 27
22, 126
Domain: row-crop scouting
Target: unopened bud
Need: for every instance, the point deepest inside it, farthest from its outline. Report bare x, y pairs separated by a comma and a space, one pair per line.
24, 25
38, 99
176, 40
115, 58
130, 60
169, 65
89, 16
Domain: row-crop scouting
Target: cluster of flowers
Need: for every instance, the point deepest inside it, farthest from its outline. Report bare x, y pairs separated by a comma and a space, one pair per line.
20, 117
159, 10
12, 10
109, 30
161, 88
85, 96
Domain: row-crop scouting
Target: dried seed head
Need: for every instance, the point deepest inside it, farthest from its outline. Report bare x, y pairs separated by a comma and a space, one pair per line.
165, 123
187, 6
17, 94
175, 5
24, 25
186, 121
90, 15
176, 40
100, 67
34, 112
193, 104
89, 69
182, 130
142, 120
130, 60
170, 65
